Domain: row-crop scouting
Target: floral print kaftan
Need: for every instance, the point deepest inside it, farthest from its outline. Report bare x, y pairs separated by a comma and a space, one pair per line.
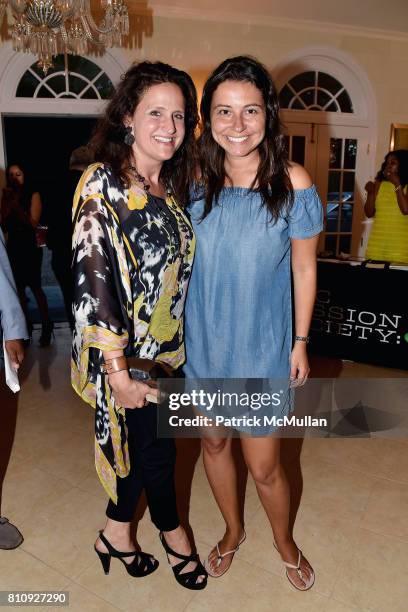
132, 261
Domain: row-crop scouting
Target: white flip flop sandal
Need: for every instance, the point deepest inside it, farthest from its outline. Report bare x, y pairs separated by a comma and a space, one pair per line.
308, 583
220, 557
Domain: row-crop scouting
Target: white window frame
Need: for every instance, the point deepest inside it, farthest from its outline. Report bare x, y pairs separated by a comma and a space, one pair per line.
355, 80
46, 81
346, 70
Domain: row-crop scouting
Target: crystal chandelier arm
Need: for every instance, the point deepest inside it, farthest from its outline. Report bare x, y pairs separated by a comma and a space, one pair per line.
88, 32
44, 27
86, 14
64, 36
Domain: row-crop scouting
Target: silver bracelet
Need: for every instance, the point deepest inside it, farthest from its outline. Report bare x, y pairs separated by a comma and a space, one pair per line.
397, 188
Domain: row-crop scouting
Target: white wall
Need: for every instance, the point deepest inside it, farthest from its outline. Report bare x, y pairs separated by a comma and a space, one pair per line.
198, 44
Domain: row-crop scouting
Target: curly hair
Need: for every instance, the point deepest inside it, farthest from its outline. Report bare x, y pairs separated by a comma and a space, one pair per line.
402, 157
272, 177
107, 142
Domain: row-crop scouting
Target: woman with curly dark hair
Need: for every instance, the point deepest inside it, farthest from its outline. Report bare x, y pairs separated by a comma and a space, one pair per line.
387, 202
133, 249
257, 218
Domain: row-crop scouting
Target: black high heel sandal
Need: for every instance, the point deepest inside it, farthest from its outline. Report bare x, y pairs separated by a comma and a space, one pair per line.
142, 565
188, 579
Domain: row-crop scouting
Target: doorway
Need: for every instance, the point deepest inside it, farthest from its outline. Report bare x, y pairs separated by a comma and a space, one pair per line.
334, 156
329, 108
43, 145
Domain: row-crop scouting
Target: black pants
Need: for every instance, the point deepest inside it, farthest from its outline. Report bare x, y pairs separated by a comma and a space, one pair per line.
152, 462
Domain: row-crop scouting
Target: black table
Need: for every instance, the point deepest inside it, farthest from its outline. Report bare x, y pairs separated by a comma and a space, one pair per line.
361, 313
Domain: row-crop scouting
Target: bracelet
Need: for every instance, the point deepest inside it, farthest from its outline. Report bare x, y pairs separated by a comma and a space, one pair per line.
397, 188
116, 371
302, 338
116, 364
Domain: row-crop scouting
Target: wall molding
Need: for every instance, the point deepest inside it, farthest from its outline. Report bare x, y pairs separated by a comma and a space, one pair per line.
276, 22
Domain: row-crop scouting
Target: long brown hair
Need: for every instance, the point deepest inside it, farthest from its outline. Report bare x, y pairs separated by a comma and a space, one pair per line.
107, 142
272, 178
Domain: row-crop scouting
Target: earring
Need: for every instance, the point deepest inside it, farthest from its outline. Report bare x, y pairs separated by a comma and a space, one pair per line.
128, 138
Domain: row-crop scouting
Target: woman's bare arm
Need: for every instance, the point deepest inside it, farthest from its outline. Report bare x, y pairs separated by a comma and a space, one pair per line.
35, 209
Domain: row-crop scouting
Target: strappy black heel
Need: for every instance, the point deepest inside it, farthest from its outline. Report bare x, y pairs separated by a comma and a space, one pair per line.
187, 579
142, 565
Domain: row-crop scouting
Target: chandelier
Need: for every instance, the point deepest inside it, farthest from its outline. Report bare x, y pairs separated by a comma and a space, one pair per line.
49, 27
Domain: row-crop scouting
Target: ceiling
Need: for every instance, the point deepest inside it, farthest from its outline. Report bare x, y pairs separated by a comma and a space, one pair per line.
377, 14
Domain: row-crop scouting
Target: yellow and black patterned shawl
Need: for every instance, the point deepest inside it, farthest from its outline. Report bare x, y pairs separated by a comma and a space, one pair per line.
131, 267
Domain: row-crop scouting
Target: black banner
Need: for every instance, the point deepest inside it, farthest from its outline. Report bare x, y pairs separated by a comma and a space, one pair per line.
361, 314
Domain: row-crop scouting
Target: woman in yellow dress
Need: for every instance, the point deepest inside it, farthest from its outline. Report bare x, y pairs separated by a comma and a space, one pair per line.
387, 202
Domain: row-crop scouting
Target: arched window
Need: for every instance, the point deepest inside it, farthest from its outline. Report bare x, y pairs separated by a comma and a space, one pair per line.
315, 91
71, 76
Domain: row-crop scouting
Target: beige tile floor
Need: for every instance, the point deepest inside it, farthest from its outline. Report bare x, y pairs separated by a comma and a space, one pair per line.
352, 521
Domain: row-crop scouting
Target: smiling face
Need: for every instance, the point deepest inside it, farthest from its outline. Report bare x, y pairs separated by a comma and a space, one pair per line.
238, 118
16, 175
391, 165
158, 124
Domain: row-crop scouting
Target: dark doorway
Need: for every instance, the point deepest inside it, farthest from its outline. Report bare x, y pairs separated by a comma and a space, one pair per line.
43, 145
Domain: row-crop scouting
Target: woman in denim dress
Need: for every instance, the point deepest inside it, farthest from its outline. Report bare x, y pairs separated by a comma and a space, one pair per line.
257, 218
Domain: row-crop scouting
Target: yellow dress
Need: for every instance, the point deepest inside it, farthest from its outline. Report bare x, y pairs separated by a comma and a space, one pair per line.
388, 239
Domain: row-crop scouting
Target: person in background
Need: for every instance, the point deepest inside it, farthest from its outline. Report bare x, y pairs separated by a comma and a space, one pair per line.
21, 209
59, 235
14, 330
387, 202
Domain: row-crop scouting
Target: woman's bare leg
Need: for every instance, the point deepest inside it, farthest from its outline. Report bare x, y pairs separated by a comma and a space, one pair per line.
118, 535
41, 300
221, 473
262, 456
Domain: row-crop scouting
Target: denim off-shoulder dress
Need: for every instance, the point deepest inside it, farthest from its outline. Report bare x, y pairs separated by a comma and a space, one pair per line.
238, 318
